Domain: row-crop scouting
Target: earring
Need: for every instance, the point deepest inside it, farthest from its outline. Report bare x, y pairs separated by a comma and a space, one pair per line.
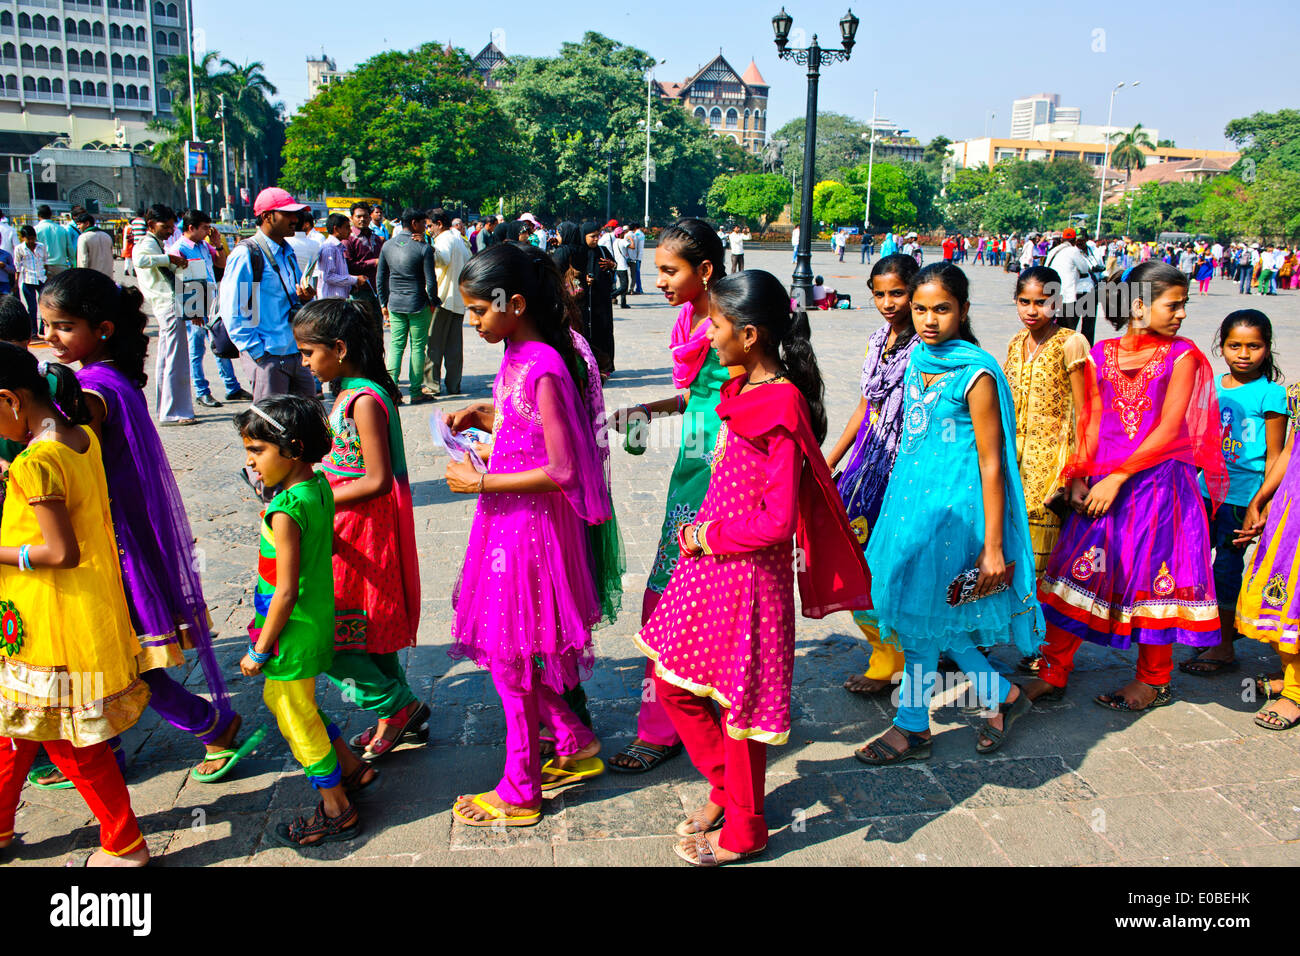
746, 349
706, 283
103, 338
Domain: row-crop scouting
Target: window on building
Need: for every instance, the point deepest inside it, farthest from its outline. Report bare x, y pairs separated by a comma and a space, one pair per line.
43, 85
101, 61
6, 19
101, 89
112, 4
10, 51
158, 10
25, 51
58, 86
38, 22
11, 82
128, 62
144, 94
87, 60
142, 64
24, 22
29, 84
115, 61
118, 92
173, 12
56, 56
42, 57
74, 87
700, 114
69, 26
160, 38
131, 93
715, 117
139, 6
97, 30
732, 118
114, 32
140, 35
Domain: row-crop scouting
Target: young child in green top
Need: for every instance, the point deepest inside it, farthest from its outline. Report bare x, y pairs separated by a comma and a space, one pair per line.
291, 639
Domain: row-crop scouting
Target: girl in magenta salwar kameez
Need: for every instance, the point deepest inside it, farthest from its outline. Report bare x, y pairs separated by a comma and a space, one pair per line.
725, 627
528, 594
1132, 565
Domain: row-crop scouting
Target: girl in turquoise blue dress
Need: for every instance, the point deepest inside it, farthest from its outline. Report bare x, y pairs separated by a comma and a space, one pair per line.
954, 503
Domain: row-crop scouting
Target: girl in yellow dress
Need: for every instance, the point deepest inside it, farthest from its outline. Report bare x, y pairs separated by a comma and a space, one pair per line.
1045, 367
68, 673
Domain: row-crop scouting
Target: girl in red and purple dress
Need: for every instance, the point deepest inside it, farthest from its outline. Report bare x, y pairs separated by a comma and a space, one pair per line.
1132, 565
725, 628
376, 569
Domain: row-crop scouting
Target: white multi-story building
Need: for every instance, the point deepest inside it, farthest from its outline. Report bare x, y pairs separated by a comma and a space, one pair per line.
1041, 108
83, 69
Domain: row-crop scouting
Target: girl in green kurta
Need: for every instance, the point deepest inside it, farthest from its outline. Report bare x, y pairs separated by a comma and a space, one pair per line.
688, 256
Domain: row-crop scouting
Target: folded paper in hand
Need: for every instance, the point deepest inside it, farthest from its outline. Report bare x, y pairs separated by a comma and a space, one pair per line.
458, 445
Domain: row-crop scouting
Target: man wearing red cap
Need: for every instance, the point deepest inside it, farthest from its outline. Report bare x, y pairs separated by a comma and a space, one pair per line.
261, 290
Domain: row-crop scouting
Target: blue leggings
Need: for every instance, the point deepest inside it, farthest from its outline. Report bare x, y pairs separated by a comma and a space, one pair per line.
921, 679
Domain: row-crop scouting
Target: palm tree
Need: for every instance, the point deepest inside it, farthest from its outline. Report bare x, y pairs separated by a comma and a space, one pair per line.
1128, 153
169, 153
249, 113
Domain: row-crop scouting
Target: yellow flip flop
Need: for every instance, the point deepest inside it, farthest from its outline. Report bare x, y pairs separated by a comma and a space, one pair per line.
499, 817
582, 770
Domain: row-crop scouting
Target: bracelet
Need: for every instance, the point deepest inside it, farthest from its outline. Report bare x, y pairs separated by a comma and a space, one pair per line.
649, 416
258, 658
25, 557
481, 478
681, 404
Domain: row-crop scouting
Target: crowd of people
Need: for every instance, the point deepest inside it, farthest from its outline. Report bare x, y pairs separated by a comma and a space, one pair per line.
1072, 492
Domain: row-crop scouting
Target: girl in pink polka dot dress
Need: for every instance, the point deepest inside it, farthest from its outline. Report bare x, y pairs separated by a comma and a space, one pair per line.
724, 628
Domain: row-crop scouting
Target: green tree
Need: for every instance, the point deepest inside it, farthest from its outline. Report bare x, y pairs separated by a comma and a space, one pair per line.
567, 110
936, 151
840, 143
1129, 152
836, 204
754, 197
715, 201
411, 127
891, 203
1263, 136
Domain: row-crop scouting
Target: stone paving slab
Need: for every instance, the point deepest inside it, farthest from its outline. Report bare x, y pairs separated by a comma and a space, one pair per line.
1196, 783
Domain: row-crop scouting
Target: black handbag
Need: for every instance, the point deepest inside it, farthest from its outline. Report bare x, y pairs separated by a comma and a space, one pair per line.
219, 340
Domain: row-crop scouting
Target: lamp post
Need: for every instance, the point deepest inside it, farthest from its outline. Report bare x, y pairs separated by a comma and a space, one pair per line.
194, 121
814, 56
649, 82
1105, 160
609, 173
226, 209
871, 156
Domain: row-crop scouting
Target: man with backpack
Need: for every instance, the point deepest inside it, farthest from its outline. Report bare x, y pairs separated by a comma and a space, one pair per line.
261, 290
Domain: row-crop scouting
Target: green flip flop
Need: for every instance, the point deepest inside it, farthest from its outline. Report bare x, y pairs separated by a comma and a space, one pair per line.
48, 769
232, 757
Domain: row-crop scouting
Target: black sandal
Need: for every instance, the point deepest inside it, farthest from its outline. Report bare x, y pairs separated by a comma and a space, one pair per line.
1010, 714
1030, 665
1115, 700
647, 757
353, 786
918, 748
328, 829
1277, 723
1207, 667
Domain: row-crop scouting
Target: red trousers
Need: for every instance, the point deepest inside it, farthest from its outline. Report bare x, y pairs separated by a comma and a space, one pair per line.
735, 769
95, 773
1154, 666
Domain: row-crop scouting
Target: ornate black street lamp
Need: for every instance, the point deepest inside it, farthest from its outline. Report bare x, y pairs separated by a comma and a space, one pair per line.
814, 56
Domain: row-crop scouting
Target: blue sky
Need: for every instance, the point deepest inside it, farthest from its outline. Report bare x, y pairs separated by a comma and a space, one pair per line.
939, 67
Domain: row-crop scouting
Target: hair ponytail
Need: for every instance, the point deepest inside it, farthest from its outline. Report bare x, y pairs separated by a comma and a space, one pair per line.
509, 269
757, 298
94, 298
326, 321
46, 381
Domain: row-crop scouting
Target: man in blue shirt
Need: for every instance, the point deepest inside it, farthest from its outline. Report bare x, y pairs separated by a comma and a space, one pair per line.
56, 242
8, 274
259, 314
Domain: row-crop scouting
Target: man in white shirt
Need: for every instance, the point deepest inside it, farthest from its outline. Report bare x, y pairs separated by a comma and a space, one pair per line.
94, 246
8, 234
1072, 266
794, 244
306, 244
199, 302
636, 250
619, 247
446, 342
736, 245
155, 271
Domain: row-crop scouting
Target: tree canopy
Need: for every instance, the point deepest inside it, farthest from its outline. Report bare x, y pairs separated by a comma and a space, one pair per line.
754, 197
412, 127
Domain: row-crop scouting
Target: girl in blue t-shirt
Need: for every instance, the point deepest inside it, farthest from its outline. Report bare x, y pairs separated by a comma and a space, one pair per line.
1252, 419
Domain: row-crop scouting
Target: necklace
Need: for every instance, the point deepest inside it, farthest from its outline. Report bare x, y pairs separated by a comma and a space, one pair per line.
768, 381
1034, 354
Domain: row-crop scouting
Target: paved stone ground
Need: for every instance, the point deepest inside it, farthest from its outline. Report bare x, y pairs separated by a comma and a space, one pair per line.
1196, 783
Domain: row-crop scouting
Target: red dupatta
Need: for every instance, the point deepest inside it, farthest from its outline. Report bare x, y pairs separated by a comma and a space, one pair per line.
1184, 426
833, 575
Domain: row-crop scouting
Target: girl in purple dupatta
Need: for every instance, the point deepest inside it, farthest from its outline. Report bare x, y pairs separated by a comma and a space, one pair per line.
874, 431
528, 597
91, 321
